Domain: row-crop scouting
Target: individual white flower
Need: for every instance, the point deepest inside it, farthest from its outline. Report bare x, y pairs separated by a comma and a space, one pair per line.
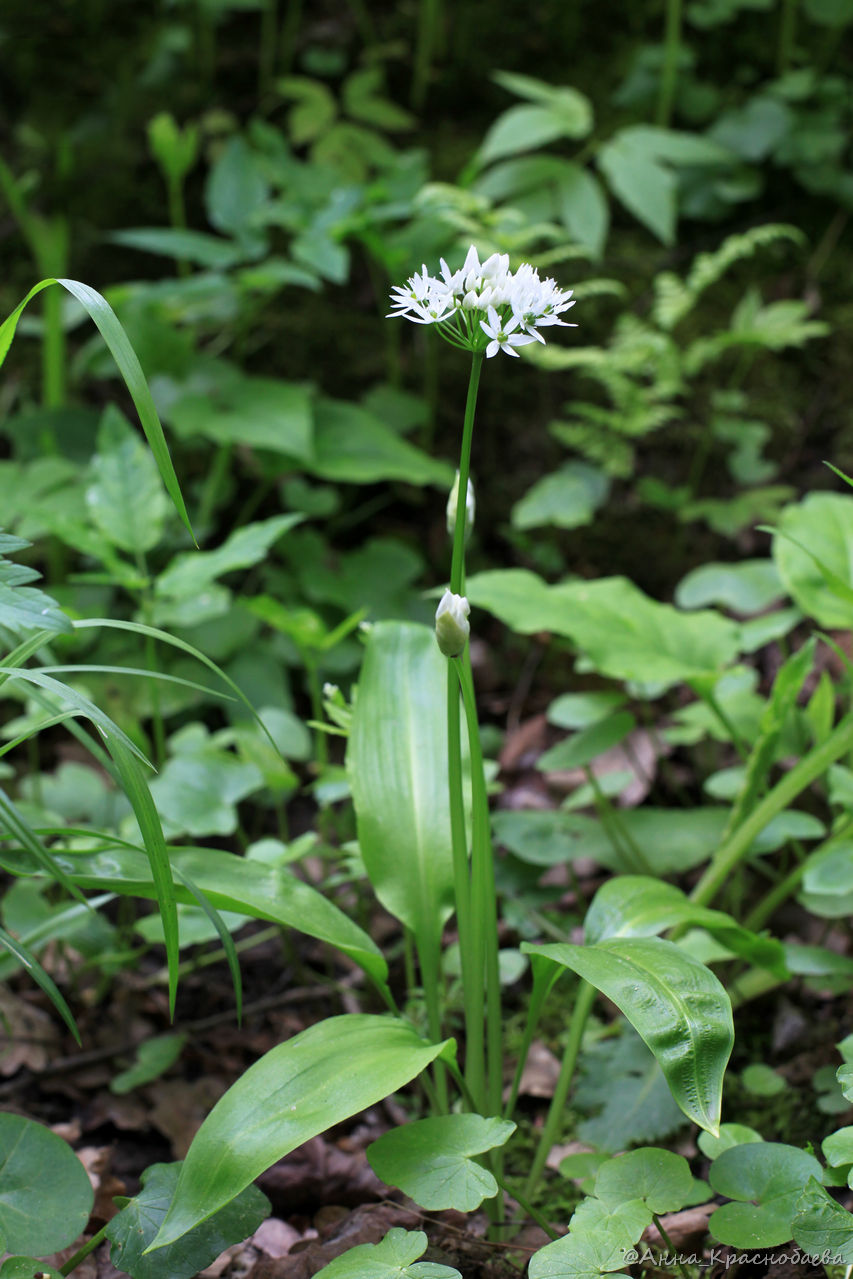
452, 627
501, 332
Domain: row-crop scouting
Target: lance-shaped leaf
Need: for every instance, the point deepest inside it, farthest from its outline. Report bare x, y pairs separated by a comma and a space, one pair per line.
397, 761
230, 882
433, 1160
20, 952
297, 1090
638, 906
676, 1005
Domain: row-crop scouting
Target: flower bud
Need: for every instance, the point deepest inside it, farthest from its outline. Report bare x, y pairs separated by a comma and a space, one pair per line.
453, 505
452, 627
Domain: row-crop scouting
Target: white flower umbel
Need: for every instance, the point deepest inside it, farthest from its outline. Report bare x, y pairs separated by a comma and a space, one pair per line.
483, 306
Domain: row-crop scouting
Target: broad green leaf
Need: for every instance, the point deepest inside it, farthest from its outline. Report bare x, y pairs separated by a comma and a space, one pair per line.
433, 1160
821, 527
354, 447
255, 412
827, 882
761, 1080
624, 633
128, 365
583, 209
676, 1005
766, 1179
27, 1268
236, 189
568, 499
623, 1095
748, 587
126, 498
660, 1178
822, 1226
234, 883
644, 186
637, 906
527, 127
397, 763
45, 1194
23, 608
394, 1257
153, 1057
199, 787
542, 838
134, 1228
598, 1239
838, 1147
24, 956
317, 1079
587, 744
192, 572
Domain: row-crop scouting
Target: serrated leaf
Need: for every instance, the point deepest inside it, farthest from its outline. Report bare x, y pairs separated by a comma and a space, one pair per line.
394, 1257
622, 1091
126, 499
821, 1225
297, 1090
45, 1195
432, 1160
135, 1226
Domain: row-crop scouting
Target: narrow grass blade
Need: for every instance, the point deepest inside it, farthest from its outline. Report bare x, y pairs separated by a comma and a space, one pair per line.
41, 978
15, 824
224, 936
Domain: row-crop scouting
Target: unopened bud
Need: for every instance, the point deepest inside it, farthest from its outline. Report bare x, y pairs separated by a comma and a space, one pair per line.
453, 506
452, 627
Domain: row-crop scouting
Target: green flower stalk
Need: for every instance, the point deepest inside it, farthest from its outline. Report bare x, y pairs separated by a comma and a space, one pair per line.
484, 308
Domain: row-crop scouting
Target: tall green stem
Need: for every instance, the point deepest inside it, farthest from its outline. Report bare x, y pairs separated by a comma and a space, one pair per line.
457, 568
551, 1131
669, 71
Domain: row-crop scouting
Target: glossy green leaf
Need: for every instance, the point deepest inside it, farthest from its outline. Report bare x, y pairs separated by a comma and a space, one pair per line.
134, 1228
638, 906
821, 1226
45, 1194
815, 567
662, 1180
128, 365
234, 883
397, 763
42, 978
676, 1005
28, 1268
394, 1257
766, 1180
354, 447
598, 1239
297, 1090
433, 1160
126, 498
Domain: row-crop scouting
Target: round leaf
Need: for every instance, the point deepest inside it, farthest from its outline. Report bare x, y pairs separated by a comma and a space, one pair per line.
660, 1178
45, 1195
432, 1161
815, 567
394, 1258
766, 1179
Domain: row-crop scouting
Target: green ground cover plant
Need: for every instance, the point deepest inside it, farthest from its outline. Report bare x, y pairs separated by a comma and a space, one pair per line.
291, 696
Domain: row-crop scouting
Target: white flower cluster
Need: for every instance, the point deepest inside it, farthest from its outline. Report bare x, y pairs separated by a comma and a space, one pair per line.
483, 306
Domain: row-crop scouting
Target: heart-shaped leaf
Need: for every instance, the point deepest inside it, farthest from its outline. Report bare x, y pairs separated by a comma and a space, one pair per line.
660, 1178
598, 1239
45, 1195
766, 1179
822, 1226
396, 1257
432, 1161
133, 1229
